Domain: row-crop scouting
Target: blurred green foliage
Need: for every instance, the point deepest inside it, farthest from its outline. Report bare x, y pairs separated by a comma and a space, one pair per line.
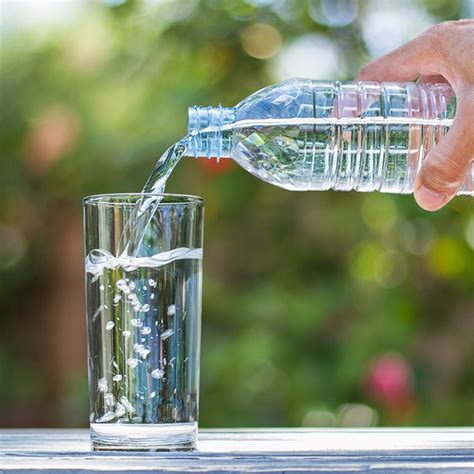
319, 308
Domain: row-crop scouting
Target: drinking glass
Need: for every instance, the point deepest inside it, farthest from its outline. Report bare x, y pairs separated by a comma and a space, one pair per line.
143, 320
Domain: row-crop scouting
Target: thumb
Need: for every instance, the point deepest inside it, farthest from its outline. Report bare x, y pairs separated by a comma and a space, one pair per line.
445, 168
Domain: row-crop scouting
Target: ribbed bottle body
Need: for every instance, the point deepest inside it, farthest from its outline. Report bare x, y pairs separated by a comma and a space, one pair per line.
309, 135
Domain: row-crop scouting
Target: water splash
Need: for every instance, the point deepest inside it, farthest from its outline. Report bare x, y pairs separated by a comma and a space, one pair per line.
98, 260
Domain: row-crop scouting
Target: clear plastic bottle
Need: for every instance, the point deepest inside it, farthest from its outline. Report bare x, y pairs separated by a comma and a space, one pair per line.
312, 135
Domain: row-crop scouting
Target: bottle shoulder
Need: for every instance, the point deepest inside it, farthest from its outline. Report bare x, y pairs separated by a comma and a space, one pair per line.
307, 98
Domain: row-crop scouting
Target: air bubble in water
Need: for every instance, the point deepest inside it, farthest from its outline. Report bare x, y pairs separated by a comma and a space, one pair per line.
97, 312
145, 308
109, 325
132, 362
109, 416
124, 401
117, 378
166, 334
146, 330
157, 373
133, 298
101, 287
144, 353
117, 298
171, 310
121, 284
138, 347
120, 411
126, 333
109, 400
152, 283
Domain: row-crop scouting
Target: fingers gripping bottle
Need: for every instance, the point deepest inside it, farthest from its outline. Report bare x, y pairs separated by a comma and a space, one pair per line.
310, 135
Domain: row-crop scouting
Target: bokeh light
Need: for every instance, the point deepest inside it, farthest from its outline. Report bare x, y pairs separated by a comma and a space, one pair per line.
39, 16
261, 40
448, 257
388, 24
357, 415
312, 56
379, 212
390, 269
333, 12
88, 48
418, 236
319, 418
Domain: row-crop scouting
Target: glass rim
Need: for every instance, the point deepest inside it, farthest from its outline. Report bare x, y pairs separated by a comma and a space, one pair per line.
120, 199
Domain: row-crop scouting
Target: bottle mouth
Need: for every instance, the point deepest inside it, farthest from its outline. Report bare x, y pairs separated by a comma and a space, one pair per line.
200, 118
205, 134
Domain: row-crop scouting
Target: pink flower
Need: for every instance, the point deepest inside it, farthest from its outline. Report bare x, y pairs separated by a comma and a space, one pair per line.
389, 380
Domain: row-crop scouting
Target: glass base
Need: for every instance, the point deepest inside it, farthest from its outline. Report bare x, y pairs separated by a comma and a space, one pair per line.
143, 437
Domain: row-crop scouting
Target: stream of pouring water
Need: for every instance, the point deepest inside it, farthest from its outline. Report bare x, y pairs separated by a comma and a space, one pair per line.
145, 208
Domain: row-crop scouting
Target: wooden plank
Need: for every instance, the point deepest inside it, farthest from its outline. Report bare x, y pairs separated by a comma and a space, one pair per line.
262, 450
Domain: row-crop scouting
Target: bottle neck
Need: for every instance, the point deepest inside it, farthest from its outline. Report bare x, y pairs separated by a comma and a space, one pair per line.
206, 138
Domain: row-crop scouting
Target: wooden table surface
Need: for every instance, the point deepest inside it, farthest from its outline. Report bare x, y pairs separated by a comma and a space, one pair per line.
251, 450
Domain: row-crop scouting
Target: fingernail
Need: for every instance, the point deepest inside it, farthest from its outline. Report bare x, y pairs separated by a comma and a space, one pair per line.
429, 200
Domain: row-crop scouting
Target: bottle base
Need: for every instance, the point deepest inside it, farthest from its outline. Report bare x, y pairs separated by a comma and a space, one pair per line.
143, 437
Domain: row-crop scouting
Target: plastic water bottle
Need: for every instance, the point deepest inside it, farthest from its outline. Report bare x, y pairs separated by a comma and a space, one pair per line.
310, 135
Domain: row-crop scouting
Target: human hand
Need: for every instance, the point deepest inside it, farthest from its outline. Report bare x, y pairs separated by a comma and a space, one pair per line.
444, 53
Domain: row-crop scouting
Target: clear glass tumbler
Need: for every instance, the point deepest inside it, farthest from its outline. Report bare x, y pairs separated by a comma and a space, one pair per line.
143, 321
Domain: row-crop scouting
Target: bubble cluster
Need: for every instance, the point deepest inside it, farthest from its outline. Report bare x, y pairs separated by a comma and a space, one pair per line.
138, 315
102, 385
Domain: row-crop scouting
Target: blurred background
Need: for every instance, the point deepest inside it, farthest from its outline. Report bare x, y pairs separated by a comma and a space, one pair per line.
320, 309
